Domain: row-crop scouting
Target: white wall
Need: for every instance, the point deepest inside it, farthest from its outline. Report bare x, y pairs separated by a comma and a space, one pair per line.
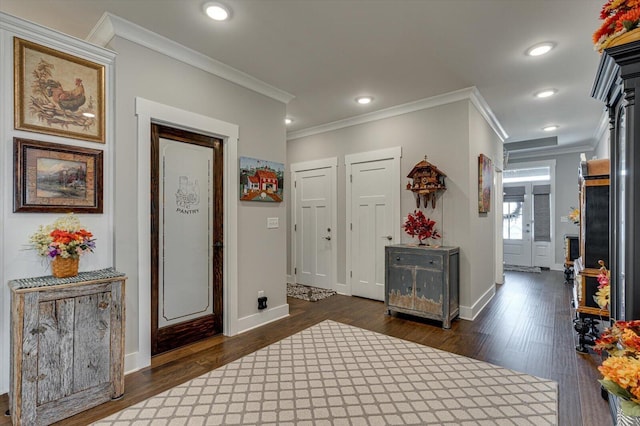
144, 72
16, 260
451, 135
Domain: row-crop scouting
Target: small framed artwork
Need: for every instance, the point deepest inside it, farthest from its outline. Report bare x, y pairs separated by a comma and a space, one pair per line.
485, 181
55, 178
57, 94
261, 180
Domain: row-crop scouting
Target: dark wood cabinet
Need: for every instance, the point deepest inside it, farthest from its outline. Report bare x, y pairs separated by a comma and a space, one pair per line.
594, 233
423, 281
617, 85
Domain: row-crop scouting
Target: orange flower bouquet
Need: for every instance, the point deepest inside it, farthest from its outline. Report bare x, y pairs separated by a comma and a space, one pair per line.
620, 17
621, 370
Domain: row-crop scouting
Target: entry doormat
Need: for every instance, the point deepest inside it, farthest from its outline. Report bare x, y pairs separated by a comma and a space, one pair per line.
307, 292
337, 374
534, 269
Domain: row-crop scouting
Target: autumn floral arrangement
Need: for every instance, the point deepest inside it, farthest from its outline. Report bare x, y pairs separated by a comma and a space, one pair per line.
604, 290
65, 238
574, 215
418, 225
620, 17
621, 369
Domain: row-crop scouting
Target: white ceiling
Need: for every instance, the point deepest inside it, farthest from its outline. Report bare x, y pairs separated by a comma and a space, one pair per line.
327, 52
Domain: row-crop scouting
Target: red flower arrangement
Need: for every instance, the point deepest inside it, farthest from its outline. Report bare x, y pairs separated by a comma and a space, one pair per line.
418, 225
619, 16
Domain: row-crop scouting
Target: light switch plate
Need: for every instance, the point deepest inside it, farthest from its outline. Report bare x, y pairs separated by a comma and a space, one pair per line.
272, 223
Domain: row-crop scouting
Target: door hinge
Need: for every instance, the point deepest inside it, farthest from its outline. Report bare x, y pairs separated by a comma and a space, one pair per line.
351, 274
295, 271
350, 178
295, 227
295, 184
351, 226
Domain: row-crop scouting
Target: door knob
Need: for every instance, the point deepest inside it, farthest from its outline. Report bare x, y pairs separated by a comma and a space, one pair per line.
388, 237
328, 238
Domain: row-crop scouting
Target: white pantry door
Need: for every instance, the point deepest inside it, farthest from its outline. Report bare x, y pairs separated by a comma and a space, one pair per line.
314, 231
374, 223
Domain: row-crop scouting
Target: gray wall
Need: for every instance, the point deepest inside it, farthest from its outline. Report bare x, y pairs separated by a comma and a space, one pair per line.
452, 136
156, 77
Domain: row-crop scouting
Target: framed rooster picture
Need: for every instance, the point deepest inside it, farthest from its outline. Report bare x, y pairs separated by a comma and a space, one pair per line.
57, 93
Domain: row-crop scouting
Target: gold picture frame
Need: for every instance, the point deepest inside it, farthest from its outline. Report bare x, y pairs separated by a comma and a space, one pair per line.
56, 93
54, 178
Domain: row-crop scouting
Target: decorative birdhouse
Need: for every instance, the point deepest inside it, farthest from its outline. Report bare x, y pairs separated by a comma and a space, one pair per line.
427, 181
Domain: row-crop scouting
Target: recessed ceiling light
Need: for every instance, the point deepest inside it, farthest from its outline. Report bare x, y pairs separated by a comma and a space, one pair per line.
550, 128
545, 93
363, 100
540, 49
216, 11
288, 120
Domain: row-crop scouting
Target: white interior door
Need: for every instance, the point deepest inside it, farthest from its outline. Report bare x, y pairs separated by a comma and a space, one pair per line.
517, 226
372, 225
314, 233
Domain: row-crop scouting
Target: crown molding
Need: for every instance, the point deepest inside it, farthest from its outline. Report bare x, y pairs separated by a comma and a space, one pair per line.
470, 93
111, 25
54, 39
549, 151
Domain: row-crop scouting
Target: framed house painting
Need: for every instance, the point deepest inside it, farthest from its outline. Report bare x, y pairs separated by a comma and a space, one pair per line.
261, 180
57, 93
53, 178
485, 180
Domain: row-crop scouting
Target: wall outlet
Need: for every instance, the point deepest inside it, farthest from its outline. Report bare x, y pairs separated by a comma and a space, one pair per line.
262, 303
564, 219
272, 223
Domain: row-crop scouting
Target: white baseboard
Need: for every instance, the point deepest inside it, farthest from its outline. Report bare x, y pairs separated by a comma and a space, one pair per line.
471, 312
131, 363
343, 289
261, 318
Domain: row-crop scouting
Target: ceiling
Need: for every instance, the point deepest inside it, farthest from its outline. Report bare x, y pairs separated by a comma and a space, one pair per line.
328, 52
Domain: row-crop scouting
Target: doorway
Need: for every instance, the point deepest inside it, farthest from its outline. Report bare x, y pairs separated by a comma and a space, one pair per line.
315, 222
186, 237
527, 214
373, 218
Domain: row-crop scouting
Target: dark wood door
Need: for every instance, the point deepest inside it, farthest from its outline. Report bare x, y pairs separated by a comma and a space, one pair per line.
186, 200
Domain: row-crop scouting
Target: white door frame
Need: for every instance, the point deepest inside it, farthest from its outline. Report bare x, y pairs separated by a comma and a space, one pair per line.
147, 112
304, 166
394, 154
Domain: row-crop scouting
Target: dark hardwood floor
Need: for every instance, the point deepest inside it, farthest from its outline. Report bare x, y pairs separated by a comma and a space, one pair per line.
526, 327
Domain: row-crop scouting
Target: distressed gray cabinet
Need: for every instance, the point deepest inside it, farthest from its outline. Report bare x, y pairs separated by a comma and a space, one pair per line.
422, 281
67, 345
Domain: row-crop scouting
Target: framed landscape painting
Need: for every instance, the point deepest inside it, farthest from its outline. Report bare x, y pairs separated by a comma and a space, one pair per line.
56, 178
261, 180
58, 94
485, 180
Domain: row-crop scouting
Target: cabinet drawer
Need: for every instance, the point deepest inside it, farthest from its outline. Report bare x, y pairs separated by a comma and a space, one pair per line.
420, 260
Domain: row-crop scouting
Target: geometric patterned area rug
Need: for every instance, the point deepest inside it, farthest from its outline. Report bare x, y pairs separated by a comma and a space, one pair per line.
535, 269
336, 374
307, 292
